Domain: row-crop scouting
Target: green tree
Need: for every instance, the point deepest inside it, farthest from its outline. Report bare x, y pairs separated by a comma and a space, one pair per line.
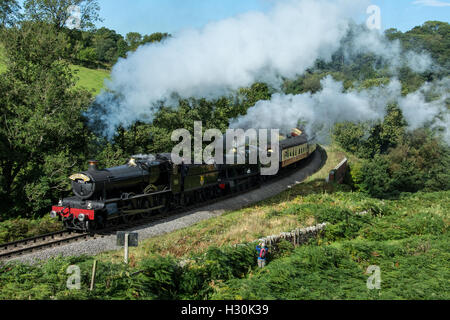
42, 136
105, 42
155, 37
57, 12
87, 54
133, 40
122, 48
432, 36
369, 139
377, 179
419, 162
350, 136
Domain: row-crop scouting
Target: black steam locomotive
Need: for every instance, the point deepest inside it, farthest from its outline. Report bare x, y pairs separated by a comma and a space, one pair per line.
151, 184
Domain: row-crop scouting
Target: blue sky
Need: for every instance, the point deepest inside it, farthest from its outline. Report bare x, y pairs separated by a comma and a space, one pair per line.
148, 16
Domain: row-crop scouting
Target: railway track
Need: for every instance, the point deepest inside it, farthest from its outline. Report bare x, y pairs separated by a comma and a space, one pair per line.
61, 238
38, 243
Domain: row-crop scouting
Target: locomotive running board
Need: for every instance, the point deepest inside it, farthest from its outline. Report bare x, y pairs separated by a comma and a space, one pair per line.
138, 196
137, 211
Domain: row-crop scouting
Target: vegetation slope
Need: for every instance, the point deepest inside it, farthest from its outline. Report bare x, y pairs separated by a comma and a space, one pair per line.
407, 238
399, 179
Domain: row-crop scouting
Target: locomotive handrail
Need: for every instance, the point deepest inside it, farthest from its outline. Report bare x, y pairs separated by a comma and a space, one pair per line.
138, 196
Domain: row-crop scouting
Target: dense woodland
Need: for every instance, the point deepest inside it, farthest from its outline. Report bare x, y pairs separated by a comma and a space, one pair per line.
45, 137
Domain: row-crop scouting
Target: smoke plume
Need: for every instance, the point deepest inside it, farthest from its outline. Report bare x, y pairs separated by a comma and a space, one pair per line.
319, 112
226, 55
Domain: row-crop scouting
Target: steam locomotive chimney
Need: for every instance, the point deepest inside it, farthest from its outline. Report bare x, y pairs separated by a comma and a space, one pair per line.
93, 165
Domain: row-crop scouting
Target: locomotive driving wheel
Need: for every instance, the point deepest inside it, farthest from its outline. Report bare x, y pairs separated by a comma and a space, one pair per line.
163, 202
132, 203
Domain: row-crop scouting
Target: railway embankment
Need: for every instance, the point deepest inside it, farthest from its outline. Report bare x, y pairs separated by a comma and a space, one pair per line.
98, 245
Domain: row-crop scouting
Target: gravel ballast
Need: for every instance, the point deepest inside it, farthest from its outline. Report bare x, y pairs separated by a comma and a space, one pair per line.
108, 243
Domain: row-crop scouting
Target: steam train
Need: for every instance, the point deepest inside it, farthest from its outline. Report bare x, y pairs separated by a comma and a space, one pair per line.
153, 184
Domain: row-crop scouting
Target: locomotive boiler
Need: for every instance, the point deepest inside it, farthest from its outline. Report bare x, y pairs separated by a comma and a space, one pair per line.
113, 194
133, 177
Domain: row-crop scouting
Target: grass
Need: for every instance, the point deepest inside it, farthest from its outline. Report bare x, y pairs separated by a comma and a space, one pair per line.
18, 229
89, 79
406, 238
233, 228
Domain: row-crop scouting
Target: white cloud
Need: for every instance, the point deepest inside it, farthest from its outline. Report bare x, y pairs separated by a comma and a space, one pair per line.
432, 3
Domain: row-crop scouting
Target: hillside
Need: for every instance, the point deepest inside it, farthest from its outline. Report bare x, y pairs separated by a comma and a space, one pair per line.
90, 79
393, 214
407, 238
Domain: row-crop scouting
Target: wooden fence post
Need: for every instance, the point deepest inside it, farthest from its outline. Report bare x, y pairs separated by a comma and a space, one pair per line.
94, 267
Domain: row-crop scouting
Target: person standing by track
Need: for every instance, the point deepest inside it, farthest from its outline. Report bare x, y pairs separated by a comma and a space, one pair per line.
262, 254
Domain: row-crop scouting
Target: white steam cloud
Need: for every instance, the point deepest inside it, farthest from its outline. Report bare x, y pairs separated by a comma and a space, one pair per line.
322, 110
370, 41
264, 47
227, 55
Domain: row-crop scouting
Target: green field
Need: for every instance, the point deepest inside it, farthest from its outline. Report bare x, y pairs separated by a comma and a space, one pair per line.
90, 79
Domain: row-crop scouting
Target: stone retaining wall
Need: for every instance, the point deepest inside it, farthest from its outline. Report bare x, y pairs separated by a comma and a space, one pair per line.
296, 237
337, 175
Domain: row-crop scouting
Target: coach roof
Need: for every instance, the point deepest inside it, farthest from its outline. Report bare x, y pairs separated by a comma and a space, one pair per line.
293, 141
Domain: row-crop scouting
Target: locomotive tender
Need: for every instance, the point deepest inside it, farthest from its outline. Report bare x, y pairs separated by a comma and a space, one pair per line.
151, 184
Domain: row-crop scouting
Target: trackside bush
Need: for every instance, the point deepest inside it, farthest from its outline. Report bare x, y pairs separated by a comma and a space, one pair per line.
159, 279
166, 278
407, 238
17, 229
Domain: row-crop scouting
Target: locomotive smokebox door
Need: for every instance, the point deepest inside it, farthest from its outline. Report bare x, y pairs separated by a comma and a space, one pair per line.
133, 239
